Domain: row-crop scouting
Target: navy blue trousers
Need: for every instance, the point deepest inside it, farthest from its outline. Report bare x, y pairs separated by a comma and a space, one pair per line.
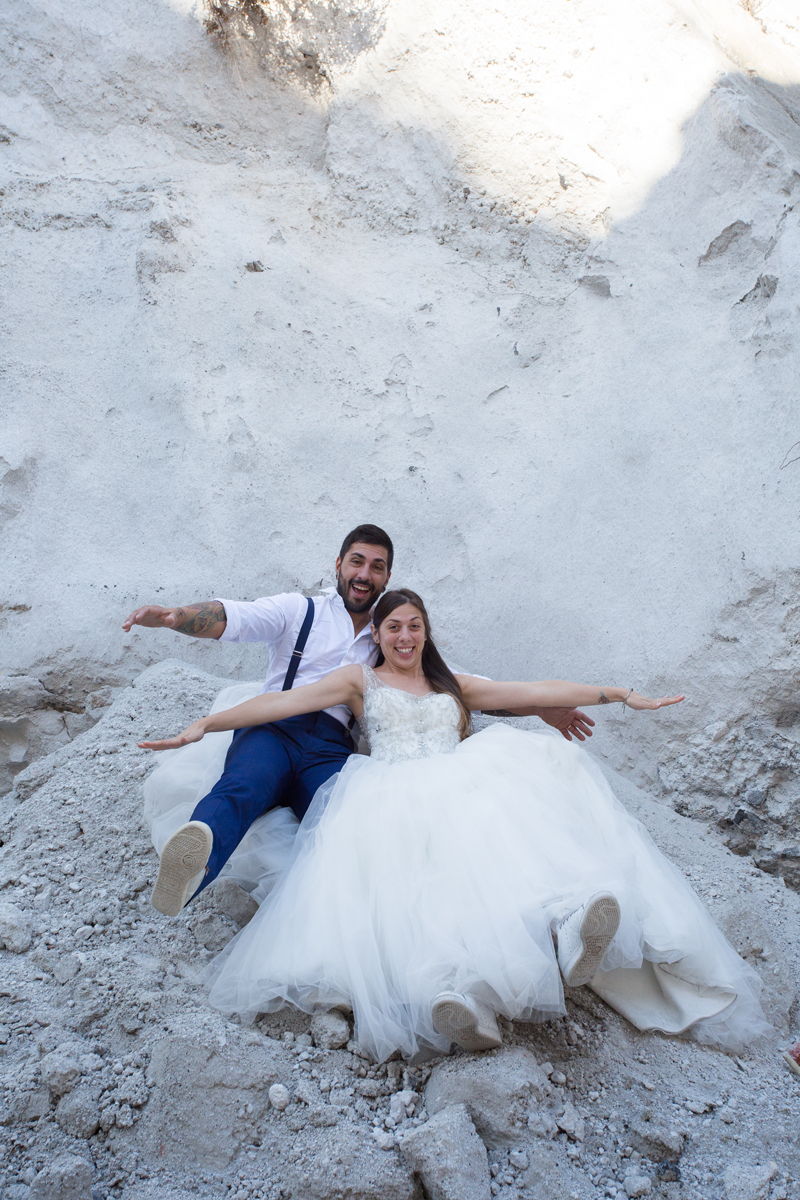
267, 765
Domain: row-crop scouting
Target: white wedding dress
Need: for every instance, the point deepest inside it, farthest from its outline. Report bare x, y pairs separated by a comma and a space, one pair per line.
438, 864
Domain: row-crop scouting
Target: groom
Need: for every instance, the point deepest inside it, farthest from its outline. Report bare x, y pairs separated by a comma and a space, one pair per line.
287, 761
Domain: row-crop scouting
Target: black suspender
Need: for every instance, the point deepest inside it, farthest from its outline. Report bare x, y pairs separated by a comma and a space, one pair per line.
300, 645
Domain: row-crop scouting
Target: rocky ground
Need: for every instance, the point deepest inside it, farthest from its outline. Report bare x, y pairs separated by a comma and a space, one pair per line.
120, 1081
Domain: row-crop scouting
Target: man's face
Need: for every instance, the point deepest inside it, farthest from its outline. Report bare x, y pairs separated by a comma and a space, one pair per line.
361, 575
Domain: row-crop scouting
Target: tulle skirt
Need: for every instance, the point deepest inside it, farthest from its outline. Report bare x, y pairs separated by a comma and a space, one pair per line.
449, 873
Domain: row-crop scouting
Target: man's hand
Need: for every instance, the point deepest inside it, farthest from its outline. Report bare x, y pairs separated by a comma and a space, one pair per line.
192, 733
152, 616
570, 722
206, 620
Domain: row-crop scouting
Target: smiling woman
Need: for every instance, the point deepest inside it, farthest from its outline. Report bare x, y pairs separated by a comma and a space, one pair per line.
408, 654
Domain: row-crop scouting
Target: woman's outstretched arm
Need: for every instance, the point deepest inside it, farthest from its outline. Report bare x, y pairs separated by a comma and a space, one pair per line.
344, 686
487, 694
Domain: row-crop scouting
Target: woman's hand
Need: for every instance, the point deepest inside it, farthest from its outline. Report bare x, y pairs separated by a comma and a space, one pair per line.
634, 700
192, 733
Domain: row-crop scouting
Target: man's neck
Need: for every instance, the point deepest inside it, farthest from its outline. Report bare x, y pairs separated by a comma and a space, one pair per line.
360, 620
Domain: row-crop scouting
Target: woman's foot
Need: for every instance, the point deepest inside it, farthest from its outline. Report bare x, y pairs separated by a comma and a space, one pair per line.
584, 937
466, 1021
182, 866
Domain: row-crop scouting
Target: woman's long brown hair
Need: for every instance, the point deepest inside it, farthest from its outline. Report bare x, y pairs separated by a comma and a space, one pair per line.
434, 668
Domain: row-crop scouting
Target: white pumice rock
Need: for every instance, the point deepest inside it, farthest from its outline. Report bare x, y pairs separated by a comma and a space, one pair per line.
279, 1097
60, 1070
78, 1112
402, 1104
656, 1141
500, 1090
67, 1177
15, 928
637, 1184
384, 1139
449, 1156
571, 1122
371, 1089
330, 1030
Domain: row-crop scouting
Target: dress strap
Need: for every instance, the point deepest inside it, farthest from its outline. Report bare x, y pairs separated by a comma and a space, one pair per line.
371, 680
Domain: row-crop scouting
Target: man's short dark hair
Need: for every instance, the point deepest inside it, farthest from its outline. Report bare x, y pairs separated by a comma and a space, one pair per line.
373, 536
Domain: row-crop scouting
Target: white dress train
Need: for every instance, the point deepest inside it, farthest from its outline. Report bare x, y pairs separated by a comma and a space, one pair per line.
438, 864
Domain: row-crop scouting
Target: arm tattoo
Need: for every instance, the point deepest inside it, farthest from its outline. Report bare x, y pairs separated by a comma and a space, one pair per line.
603, 699
197, 620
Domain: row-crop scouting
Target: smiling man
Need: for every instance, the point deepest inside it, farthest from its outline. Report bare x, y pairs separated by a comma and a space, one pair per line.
286, 762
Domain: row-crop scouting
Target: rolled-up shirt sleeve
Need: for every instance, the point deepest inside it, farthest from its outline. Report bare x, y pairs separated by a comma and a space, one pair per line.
262, 620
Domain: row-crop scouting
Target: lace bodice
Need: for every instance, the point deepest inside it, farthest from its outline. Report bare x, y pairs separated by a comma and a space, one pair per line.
399, 725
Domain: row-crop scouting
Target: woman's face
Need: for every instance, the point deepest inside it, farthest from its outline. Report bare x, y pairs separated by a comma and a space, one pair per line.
401, 637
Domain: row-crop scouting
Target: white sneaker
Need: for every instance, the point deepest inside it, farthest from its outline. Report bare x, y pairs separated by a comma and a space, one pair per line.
584, 937
183, 863
466, 1021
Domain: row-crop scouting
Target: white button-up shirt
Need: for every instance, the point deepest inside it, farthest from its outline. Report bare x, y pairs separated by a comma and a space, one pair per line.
276, 620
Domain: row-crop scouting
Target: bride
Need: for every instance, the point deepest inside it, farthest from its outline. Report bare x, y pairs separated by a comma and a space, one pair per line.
448, 878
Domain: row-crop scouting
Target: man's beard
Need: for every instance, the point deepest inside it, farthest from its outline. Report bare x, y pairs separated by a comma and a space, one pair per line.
351, 604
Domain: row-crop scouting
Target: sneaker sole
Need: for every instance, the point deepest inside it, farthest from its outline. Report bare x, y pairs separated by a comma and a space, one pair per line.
184, 857
454, 1019
600, 923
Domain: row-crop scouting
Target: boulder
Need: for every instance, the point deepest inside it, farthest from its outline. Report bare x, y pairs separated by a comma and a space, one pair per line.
499, 1090
449, 1156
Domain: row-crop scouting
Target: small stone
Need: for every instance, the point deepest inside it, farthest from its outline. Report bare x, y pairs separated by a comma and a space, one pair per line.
636, 1184
656, 1142
59, 1071
519, 1160
370, 1088
330, 1030
402, 1104
572, 1123
279, 1096
384, 1140
65, 1178
15, 928
558, 1078
698, 1106
78, 1113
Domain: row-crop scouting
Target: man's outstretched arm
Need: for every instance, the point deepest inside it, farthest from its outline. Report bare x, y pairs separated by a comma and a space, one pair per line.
204, 620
